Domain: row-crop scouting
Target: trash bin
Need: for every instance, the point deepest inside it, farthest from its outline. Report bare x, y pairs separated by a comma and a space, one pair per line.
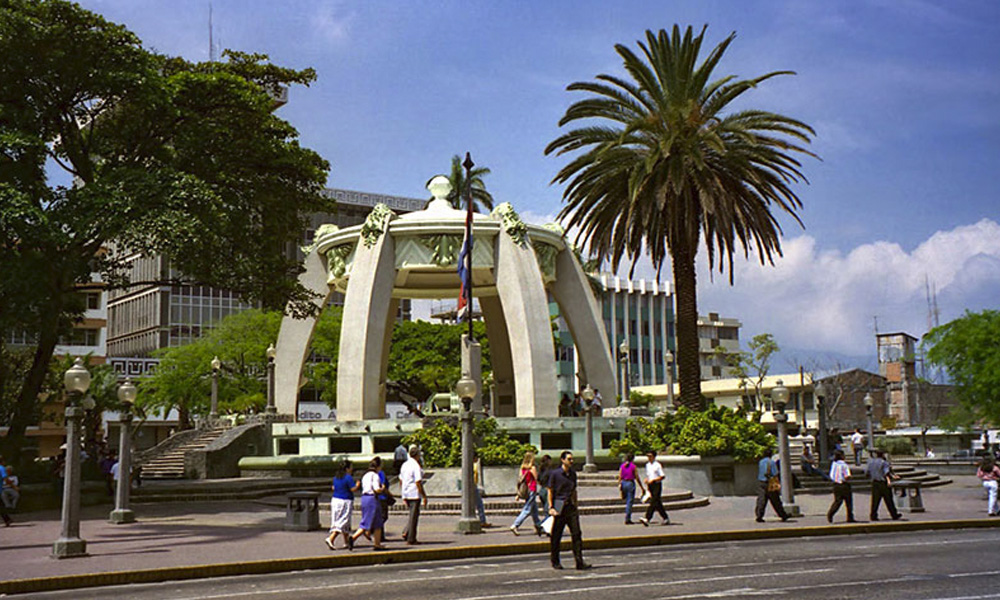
907, 496
302, 511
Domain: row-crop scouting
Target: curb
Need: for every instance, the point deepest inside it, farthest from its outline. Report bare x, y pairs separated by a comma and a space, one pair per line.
263, 567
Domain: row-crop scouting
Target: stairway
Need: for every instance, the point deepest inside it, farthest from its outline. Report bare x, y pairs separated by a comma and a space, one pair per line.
170, 464
813, 484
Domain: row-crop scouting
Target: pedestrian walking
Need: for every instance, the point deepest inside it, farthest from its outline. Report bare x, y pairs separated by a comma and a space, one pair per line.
411, 482
385, 499
544, 471
371, 514
654, 483
880, 472
527, 490
3, 488
628, 478
341, 505
477, 480
11, 492
399, 457
840, 475
768, 487
107, 462
858, 445
563, 509
989, 473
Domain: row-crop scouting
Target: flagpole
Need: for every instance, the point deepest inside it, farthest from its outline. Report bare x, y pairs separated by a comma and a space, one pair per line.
468, 164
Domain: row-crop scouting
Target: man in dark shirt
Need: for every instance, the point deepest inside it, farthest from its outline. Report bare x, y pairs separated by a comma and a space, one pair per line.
881, 473
563, 508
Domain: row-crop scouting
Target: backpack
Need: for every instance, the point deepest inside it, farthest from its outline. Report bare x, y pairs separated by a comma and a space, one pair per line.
522, 486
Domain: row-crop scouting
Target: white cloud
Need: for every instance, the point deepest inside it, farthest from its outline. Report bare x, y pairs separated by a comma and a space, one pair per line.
332, 21
827, 301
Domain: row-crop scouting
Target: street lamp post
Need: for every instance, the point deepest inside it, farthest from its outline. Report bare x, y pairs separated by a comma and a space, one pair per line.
469, 523
70, 544
869, 402
780, 396
623, 353
823, 450
213, 411
588, 399
271, 353
122, 512
668, 359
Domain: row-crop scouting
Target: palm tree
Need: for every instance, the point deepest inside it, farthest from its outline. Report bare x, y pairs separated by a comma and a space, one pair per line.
663, 164
481, 199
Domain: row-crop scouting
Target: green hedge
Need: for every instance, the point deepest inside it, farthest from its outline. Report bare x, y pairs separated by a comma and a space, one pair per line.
440, 441
895, 446
716, 431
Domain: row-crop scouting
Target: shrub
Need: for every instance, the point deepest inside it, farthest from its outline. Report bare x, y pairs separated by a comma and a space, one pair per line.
716, 431
895, 445
440, 440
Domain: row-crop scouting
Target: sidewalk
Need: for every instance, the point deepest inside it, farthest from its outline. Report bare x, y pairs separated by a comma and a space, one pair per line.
231, 534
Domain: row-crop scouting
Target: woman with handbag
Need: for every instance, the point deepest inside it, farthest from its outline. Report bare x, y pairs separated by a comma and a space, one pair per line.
371, 512
628, 478
527, 490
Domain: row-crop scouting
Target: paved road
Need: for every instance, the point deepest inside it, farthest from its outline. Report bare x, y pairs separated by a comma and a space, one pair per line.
947, 565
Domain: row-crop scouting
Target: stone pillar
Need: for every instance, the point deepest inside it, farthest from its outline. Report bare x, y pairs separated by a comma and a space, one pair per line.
526, 309
362, 339
579, 308
500, 358
295, 337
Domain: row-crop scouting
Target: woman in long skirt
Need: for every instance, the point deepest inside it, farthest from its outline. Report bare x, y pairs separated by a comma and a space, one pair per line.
341, 505
371, 512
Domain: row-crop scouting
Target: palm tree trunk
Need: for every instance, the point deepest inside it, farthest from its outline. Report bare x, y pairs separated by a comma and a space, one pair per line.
686, 325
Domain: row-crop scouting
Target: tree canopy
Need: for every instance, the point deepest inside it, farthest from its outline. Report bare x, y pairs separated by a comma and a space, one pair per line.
662, 161
109, 150
426, 357
481, 199
969, 350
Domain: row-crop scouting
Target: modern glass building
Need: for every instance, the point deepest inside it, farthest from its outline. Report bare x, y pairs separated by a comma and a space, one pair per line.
145, 318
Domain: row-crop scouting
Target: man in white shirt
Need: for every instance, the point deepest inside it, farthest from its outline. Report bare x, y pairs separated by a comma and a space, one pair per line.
654, 482
840, 474
411, 481
858, 444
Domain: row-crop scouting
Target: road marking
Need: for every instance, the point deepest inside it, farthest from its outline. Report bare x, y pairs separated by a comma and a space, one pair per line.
621, 586
836, 584
992, 540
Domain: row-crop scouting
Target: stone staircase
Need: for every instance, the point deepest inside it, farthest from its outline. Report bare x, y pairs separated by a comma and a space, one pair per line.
813, 484
170, 464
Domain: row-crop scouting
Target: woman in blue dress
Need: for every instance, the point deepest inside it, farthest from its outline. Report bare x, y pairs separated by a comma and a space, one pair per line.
371, 512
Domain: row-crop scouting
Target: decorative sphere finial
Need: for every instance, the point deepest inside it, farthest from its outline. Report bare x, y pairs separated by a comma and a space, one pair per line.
439, 187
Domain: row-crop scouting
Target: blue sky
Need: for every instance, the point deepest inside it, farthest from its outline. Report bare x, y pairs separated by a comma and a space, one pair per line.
904, 95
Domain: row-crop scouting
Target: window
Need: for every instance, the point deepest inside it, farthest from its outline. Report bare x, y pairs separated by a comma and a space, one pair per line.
631, 326
80, 337
93, 300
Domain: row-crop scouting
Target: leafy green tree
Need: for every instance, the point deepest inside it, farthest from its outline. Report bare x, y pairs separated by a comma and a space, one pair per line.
968, 348
482, 200
661, 165
425, 358
753, 365
182, 380
166, 156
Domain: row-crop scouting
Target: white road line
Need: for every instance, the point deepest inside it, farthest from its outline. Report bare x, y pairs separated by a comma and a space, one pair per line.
622, 586
992, 540
813, 586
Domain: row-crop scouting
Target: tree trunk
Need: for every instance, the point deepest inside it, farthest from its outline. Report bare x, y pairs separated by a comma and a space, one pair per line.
27, 401
686, 324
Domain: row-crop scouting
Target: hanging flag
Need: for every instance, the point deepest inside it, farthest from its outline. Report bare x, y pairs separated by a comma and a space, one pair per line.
465, 269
